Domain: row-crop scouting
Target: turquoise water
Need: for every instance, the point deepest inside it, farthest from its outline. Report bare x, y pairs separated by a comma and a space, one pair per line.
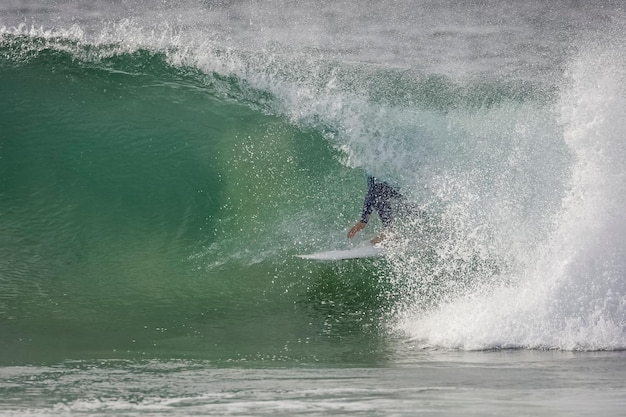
161, 166
146, 224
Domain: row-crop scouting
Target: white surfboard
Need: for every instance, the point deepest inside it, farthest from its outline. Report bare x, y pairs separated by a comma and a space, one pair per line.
338, 255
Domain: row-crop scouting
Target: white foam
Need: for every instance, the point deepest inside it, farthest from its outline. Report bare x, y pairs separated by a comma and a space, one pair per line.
569, 291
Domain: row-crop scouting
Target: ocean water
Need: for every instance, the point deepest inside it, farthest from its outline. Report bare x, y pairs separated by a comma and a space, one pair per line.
161, 164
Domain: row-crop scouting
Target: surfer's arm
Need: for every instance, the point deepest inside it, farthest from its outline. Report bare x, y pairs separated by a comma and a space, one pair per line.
355, 229
368, 204
368, 207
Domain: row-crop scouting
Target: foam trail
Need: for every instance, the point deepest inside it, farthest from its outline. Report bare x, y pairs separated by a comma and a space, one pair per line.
568, 292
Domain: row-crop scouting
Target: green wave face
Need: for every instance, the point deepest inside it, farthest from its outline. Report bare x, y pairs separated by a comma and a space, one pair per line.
156, 183
148, 211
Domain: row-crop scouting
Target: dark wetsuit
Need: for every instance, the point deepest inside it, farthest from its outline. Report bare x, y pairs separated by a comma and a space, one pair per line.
378, 198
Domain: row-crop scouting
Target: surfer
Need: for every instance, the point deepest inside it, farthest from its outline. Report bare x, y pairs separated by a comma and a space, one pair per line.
378, 197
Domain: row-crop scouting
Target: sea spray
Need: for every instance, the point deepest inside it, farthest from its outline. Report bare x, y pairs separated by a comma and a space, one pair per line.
165, 171
590, 242
161, 163
567, 289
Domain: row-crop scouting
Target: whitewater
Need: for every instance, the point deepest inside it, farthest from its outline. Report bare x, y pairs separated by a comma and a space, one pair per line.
163, 165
